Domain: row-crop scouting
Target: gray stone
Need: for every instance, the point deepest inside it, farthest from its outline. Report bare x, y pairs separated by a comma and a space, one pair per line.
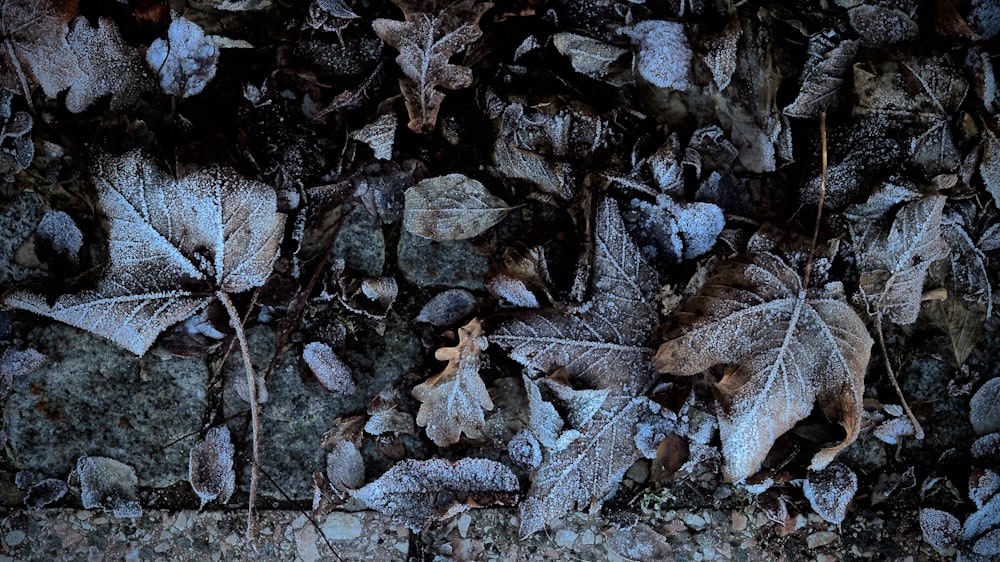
452, 263
299, 410
95, 398
18, 219
360, 244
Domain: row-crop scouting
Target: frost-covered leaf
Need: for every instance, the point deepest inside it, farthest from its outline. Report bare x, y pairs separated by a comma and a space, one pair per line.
172, 245
108, 484
329, 369
640, 542
525, 450
511, 291
934, 150
589, 469
989, 166
673, 231
371, 296
960, 323
36, 51
894, 264
425, 42
45, 492
826, 70
451, 207
16, 363
909, 88
453, 401
830, 491
605, 341
447, 307
590, 57
967, 277
420, 493
940, 528
984, 408
61, 233
345, 467
109, 66
664, 58
880, 25
185, 61
210, 467
793, 349
16, 147
379, 135
722, 53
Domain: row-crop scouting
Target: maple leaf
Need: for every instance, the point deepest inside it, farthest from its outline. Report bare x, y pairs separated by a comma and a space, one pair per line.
587, 470
173, 244
894, 264
425, 42
793, 348
452, 401
419, 493
605, 341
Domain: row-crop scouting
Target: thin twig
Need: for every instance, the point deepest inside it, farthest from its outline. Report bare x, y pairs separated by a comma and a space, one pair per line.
822, 199
308, 516
234, 321
918, 432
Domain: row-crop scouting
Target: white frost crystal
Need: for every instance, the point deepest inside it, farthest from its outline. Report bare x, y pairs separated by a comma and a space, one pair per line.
185, 61
664, 57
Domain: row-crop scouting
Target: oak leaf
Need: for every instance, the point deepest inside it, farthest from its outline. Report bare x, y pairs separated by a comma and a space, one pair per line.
604, 342
420, 493
894, 264
453, 401
425, 42
793, 348
173, 246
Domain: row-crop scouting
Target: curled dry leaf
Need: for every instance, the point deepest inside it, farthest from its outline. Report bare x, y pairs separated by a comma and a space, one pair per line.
329, 369
425, 42
452, 207
894, 264
793, 348
45, 492
420, 493
379, 135
604, 341
172, 245
590, 57
108, 484
210, 468
453, 401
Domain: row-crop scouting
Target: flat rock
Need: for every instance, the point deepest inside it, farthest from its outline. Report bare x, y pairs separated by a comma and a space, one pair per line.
92, 397
453, 263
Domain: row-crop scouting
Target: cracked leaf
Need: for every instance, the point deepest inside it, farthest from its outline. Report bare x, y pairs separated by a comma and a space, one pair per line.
793, 348
605, 341
453, 401
425, 42
173, 244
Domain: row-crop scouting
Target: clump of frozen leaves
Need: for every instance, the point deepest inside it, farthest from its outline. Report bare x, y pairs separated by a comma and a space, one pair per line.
453, 401
185, 61
210, 467
978, 538
420, 493
109, 485
425, 41
793, 347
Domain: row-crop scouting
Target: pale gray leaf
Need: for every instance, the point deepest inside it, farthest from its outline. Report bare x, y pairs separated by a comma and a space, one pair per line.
210, 467
880, 26
452, 207
940, 528
830, 491
984, 408
822, 79
185, 61
329, 369
380, 135
108, 484
345, 467
989, 166
589, 57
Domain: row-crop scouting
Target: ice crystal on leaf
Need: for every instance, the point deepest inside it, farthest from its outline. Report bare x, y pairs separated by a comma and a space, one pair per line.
794, 348
664, 58
210, 467
108, 484
173, 244
425, 41
605, 341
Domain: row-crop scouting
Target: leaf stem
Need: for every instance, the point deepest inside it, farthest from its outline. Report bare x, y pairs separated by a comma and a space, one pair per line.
918, 432
819, 205
234, 321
